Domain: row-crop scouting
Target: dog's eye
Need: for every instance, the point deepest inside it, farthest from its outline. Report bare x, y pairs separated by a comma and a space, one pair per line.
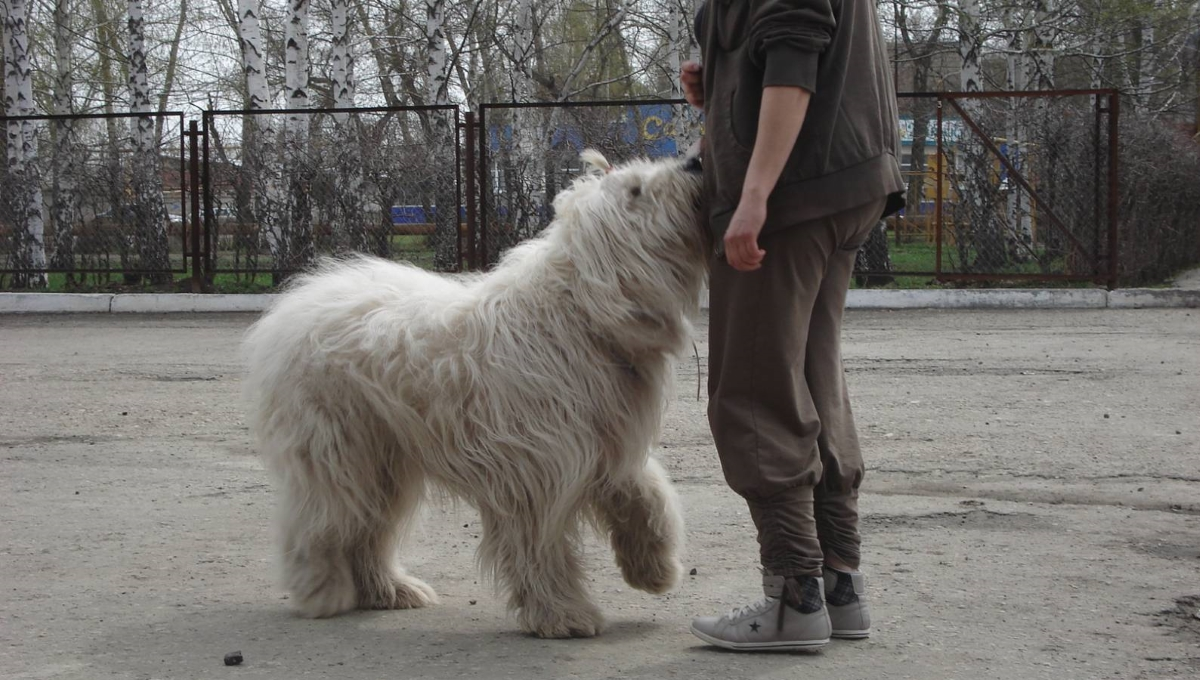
635, 191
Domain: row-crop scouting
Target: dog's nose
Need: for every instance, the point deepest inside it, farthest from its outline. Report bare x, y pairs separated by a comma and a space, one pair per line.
693, 165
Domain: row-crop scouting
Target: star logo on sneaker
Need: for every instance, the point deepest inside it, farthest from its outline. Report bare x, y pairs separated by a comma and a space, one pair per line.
755, 626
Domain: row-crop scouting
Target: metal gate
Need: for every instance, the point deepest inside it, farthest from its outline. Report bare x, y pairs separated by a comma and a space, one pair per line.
279, 188
1017, 186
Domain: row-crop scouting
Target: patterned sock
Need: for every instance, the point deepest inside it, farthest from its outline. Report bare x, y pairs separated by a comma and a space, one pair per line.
843, 591
803, 593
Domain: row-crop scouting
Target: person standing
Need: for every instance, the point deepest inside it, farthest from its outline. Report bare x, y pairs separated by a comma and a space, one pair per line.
800, 163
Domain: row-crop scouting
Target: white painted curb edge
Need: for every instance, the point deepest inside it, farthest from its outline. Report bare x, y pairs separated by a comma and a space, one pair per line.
1003, 298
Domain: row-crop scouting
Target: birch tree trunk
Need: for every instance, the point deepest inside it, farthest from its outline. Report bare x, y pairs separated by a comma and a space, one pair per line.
687, 119
1147, 62
296, 246
1041, 45
1018, 237
164, 97
108, 46
973, 219
24, 192
445, 237
526, 155
65, 197
147, 209
349, 229
261, 167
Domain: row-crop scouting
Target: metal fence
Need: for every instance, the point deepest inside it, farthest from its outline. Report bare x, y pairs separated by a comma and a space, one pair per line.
97, 196
1001, 187
529, 152
1005, 186
281, 188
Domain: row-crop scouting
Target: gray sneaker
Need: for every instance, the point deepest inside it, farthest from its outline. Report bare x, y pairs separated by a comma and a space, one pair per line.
846, 600
771, 624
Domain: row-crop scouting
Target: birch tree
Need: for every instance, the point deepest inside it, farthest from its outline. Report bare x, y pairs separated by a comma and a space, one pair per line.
147, 207
261, 168
348, 182
65, 196
445, 237
24, 192
296, 247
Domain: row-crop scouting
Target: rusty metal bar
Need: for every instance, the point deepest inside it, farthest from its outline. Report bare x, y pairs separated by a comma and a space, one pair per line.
469, 172
183, 186
210, 240
937, 208
1021, 94
1015, 175
458, 190
1114, 112
981, 276
1097, 111
483, 188
193, 134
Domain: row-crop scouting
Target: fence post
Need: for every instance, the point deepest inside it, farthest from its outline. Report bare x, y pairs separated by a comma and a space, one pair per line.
482, 248
210, 244
193, 134
937, 216
1114, 109
469, 172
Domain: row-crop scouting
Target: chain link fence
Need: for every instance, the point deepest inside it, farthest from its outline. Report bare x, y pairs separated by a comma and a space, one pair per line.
92, 199
1159, 202
1001, 187
530, 152
285, 187
1004, 186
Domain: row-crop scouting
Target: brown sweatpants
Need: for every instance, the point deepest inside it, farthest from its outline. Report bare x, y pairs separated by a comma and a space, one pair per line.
778, 405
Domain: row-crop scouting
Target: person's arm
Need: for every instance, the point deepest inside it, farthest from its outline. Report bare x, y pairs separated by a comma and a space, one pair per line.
779, 121
786, 39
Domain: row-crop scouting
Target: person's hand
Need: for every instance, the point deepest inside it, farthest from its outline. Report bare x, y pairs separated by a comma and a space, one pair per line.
741, 239
691, 76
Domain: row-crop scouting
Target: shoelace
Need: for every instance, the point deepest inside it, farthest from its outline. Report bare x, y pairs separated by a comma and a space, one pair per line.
752, 608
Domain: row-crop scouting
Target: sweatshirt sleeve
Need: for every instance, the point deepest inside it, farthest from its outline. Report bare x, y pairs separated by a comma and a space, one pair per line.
787, 37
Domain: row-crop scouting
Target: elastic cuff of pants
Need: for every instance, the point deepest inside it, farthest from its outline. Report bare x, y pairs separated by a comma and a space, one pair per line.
846, 552
796, 494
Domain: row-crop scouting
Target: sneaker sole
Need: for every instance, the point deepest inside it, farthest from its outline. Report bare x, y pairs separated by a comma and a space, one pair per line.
786, 646
851, 634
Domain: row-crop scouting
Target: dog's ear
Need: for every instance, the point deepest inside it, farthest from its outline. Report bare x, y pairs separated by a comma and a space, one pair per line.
596, 160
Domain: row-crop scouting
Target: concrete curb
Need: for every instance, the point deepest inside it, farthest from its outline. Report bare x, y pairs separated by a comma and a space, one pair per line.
153, 303
998, 298
977, 299
55, 303
1141, 298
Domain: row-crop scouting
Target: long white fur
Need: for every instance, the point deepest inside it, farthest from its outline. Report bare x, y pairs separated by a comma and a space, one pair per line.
534, 392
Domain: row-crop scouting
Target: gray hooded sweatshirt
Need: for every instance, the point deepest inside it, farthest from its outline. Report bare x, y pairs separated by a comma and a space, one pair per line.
846, 154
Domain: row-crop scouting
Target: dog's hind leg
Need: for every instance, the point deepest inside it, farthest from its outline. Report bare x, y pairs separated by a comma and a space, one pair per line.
341, 518
381, 582
316, 571
645, 525
542, 575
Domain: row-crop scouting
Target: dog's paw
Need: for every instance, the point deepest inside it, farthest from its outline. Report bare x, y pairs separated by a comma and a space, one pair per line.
657, 575
336, 598
552, 623
406, 592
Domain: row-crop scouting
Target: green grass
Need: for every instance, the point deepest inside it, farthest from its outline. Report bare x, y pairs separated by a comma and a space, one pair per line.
915, 255
918, 255
405, 248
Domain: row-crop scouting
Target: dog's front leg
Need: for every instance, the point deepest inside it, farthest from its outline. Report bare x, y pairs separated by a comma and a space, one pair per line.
542, 575
643, 520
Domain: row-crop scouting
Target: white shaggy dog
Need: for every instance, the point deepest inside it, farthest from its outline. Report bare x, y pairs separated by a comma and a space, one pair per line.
533, 392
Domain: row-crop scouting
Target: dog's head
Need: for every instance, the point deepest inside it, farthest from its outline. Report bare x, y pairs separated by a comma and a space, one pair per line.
653, 204
637, 229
